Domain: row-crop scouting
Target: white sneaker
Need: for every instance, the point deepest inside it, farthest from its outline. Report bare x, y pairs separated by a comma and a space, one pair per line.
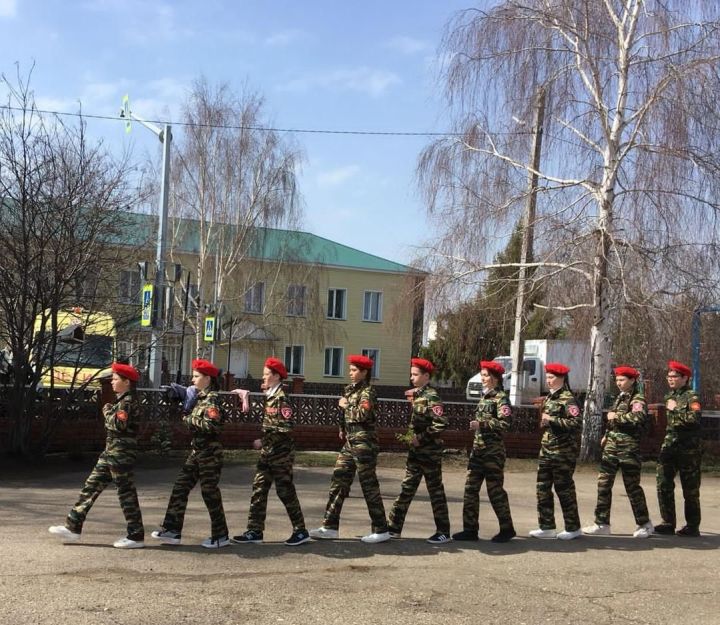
597, 529
324, 532
543, 534
64, 533
565, 535
376, 537
644, 531
126, 543
216, 543
166, 537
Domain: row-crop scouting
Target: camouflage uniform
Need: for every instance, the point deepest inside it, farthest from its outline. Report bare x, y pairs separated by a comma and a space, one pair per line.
359, 453
558, 456
275, 463
681, 452
115, 464
427, 423
487, 461
203, 464
622, 451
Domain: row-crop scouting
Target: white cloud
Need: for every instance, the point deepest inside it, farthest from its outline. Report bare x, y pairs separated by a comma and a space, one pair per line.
334, 177
367, 80
407, 45
8, 8
284, 38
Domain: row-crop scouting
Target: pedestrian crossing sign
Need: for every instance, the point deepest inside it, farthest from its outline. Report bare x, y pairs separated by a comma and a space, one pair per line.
209, 329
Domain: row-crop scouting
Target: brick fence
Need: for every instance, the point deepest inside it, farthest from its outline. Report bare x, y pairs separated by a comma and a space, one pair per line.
77, 425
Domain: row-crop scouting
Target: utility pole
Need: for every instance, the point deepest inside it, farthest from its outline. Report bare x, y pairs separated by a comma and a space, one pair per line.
158, 325
526, 252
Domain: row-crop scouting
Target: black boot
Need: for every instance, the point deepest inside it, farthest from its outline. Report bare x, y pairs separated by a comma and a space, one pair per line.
465, 535
666, 529
504, 535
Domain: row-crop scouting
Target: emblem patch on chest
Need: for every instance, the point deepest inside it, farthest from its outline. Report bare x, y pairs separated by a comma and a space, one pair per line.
213, 413
286, 412
121, 415
437, 410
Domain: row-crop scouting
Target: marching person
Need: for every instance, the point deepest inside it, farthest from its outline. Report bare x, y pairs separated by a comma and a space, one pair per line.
621, 450
115, 464
681, 452
203, 464
487, 460
359, 453
560, 422
277, 452
425, 455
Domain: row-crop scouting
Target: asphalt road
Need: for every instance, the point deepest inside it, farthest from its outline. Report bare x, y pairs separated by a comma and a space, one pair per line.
598, 580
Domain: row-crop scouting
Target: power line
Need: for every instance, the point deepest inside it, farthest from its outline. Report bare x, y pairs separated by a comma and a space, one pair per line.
240, 127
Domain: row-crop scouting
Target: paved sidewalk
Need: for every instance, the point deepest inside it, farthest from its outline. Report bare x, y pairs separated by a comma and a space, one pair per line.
599, 580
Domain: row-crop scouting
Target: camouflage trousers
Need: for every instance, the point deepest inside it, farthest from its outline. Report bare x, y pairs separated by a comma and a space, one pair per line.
425, 461
629, 462
275, 464
557, 473
205, 466
117, 468
686, 462
486, 465
358, 454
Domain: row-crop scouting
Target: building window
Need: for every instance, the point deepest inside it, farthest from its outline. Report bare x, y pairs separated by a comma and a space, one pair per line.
372, 306
336, 303
294, 357
296, 300
374, 354
333, 361
129, 287
254, 298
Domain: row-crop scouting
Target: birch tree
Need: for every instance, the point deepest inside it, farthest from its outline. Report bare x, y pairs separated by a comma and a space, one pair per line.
627, 211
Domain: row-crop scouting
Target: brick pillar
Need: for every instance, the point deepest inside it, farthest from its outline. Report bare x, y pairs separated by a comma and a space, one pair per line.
298, 385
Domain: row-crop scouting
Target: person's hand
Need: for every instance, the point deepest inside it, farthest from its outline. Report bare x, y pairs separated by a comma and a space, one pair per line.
671, 404
343, 402
603, 440
341, 435
474, 425
415, 441
546, 420
611, 416
257, 443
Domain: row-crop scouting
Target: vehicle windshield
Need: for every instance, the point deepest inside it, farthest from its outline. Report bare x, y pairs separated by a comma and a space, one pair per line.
95, 352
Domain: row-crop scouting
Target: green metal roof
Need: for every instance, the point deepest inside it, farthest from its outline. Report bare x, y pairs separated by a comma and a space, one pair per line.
269, 244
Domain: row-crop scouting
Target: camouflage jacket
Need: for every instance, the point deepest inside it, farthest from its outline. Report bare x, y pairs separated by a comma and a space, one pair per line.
206, 419
428, 419
493, 413
278, 418
121, 418
560, 437
683, 422
360, 410
631, 417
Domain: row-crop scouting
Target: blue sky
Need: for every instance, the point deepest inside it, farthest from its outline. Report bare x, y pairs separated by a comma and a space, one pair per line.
367, 65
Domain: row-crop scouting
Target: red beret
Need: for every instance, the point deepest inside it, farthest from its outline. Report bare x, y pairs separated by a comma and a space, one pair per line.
492, 366
684, 370
423, 364
205, 367
361, 362
557, 368
276, 365
626, 371
126, 371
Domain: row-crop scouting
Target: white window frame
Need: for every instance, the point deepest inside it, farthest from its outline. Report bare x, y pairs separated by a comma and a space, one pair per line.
293, 300
375, 373
130, 296
380, 306
254, 309
344, 303
289, 363
341, 362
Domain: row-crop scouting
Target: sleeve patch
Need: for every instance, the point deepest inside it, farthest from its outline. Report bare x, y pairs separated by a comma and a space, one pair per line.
286, 412
121, 415
638, 406
365, 404
573, 410
437, 410
505, 410
213, 413
695, 406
